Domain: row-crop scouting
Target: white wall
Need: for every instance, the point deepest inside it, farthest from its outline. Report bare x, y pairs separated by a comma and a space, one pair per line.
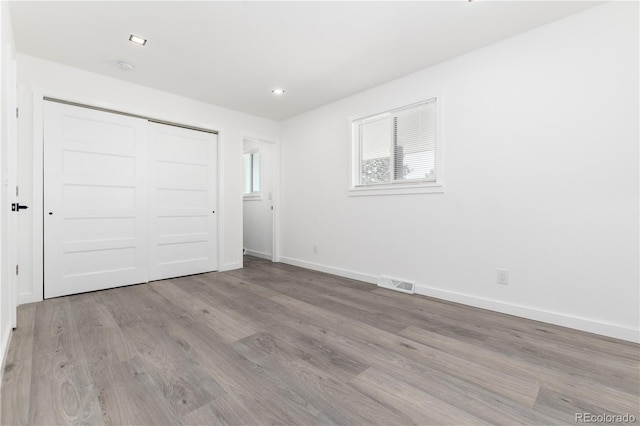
52, 79
257, 214
541, 178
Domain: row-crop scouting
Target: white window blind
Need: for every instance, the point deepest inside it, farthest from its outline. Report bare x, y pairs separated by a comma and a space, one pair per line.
251, 172
246, 158
397, 146
255, 172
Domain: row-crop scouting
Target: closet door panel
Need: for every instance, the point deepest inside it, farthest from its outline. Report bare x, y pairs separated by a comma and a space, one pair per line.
183, 182
95, 200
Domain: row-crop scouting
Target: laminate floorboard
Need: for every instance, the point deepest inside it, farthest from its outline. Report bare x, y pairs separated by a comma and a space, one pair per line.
60, 379
277, 344
317, 334
16, 380
472, 320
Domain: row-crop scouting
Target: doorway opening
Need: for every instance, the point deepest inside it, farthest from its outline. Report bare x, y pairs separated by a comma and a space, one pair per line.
259, 198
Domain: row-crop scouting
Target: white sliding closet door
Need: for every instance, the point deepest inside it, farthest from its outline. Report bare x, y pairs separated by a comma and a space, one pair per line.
183, 182
95, 200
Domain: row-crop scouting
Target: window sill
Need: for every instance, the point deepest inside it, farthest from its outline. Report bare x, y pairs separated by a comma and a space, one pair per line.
429, 188
252, 197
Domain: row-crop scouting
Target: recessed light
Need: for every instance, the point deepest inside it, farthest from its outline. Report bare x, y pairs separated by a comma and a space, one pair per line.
138, 40
277, 91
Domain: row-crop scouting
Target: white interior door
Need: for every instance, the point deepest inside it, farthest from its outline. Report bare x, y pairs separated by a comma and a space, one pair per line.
183, 183
95, 200
13, 237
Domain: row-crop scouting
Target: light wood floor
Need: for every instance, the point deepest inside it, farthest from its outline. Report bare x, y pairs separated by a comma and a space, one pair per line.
276, 344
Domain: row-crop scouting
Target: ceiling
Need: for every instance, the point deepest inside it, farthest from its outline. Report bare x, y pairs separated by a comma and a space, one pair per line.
232, 54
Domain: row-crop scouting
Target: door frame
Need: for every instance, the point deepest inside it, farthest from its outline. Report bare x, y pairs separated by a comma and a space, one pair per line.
38, 100
275, 199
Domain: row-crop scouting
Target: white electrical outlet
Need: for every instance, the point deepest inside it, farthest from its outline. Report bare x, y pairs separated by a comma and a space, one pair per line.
315, 249
502, 276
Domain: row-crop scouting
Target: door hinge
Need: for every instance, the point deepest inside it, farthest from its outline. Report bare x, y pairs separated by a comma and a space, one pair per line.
17, 269
17, 112
17, 191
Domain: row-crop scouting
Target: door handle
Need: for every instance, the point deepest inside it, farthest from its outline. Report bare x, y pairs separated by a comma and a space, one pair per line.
16, 207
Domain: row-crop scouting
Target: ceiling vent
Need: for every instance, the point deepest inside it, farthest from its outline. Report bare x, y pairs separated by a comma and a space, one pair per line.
125, 66
396, 284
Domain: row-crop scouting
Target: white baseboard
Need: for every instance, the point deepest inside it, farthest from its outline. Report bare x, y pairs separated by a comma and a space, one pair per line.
230, 266
584, 324
259, 254
23, 299
360, 276
4, 348
555, 318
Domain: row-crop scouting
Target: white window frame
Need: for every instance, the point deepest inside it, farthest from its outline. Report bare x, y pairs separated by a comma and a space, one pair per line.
256, 195
402, 186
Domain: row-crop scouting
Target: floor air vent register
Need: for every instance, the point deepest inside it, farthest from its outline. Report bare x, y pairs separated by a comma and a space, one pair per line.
396, 284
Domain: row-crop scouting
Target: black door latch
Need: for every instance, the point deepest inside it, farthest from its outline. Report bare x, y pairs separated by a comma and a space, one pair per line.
15, 207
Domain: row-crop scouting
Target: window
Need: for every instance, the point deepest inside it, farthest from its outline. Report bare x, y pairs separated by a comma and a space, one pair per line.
397, 151
251, 173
